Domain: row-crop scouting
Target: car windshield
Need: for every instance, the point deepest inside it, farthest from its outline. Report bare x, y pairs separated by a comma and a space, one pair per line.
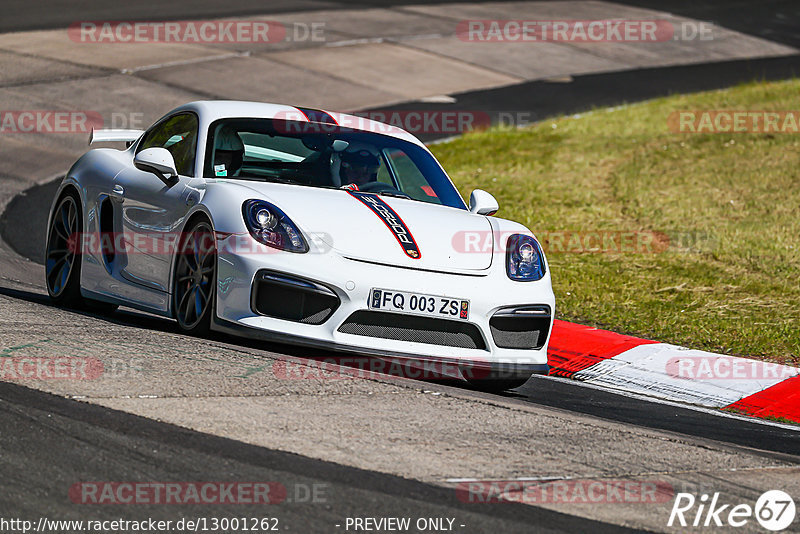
325, 155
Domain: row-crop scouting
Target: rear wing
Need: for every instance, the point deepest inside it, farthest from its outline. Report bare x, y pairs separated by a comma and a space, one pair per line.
110, 136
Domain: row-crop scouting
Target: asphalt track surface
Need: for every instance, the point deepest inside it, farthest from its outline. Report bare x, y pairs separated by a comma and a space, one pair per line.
776, 20
57, 441
81, 434
539, 99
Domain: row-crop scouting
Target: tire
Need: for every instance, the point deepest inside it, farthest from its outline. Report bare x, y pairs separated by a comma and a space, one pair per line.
62, 263
193, 295
496, 384
63, 259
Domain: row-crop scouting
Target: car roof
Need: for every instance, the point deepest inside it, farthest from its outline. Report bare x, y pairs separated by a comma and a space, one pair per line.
211, 110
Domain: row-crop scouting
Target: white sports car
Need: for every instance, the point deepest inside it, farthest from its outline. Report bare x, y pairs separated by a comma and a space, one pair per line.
302, 226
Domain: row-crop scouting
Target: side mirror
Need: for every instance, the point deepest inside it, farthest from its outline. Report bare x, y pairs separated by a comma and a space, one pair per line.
159, 161
483, 203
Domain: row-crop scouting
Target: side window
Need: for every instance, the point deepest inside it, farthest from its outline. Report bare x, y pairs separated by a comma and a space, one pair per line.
178, 134
383, 174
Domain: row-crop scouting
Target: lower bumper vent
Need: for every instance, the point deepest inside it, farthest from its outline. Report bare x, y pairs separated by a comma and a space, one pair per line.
522, 327
429, 330
293, 299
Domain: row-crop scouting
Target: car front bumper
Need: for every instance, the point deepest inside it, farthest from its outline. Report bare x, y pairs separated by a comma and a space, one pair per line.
488, 293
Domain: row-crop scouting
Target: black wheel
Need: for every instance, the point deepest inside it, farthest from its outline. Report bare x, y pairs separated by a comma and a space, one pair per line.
63, 258
195, 278
62, 261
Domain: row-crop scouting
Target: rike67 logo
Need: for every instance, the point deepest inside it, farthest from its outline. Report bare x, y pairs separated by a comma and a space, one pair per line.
774, 510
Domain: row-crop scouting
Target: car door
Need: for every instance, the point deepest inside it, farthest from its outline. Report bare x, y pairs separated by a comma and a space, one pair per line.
151, 208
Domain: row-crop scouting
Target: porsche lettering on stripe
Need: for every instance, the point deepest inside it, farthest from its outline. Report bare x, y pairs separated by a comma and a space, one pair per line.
392, 221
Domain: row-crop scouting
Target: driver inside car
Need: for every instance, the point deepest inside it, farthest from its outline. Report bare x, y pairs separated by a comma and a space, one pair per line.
228, 152
358, 167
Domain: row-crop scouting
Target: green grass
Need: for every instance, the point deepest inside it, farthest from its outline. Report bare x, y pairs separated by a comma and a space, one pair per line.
728, 281
774, 418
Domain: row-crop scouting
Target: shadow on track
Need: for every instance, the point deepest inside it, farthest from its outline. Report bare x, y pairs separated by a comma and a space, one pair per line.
313, 363
100, 444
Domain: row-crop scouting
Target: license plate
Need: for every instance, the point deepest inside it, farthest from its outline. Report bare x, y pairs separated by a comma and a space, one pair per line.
418, 304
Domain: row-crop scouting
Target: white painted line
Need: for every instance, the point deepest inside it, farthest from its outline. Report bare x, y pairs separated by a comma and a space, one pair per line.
514, 479
402, 38
378, 40
354, 42
438, 99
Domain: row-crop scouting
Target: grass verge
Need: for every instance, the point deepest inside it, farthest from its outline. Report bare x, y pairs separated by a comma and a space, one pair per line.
686, 238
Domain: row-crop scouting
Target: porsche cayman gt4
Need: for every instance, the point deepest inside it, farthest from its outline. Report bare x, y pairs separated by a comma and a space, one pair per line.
303, 226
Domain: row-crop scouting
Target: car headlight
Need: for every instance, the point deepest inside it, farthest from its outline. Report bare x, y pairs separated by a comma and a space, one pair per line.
270, 226
524, 259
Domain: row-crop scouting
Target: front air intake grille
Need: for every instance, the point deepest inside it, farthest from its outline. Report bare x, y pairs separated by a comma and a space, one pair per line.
429, 330
523, 327
292, 299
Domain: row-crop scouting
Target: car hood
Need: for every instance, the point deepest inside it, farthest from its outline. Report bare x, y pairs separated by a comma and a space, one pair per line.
348, 225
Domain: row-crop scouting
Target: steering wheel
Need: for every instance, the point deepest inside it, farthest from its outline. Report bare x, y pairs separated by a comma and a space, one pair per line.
380, 187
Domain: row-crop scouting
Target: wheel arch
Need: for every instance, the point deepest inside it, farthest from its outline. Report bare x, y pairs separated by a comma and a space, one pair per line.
67, 184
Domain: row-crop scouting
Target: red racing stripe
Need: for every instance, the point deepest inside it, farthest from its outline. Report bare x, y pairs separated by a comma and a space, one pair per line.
317, 115
781, 400
575, 347
392, 221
